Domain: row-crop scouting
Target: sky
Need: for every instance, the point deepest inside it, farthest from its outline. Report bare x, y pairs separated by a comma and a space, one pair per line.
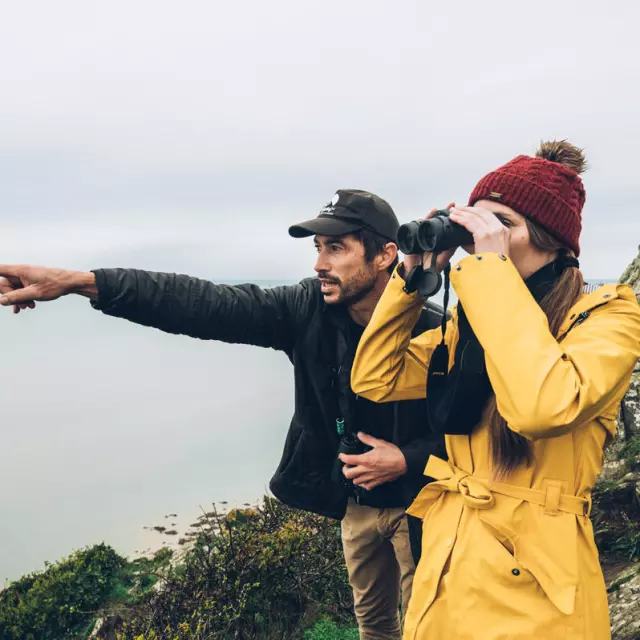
187, 136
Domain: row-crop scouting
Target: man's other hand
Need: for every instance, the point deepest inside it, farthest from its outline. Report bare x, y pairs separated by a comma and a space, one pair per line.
21, 286
384, 463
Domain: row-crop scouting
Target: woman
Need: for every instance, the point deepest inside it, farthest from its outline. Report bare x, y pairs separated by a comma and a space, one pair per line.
526, 384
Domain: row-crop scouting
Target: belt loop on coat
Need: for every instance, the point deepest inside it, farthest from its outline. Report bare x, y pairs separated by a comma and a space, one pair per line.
552, 495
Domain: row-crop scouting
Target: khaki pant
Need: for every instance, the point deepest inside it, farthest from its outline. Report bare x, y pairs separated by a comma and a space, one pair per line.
381, 567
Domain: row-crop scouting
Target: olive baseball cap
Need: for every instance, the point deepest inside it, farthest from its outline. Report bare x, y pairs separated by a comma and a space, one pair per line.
351, 210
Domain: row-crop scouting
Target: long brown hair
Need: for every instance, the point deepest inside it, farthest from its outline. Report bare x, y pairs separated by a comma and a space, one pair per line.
509, 450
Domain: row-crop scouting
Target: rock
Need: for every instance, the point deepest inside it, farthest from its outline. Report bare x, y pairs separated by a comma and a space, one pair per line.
629, 415
630, 409
623, 587
613, 468
631, 274
106, 628
616, 513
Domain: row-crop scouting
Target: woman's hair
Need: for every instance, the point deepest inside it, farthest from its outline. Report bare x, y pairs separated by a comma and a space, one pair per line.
510, 450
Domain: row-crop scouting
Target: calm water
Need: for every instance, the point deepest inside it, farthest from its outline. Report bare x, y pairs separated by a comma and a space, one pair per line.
108, 427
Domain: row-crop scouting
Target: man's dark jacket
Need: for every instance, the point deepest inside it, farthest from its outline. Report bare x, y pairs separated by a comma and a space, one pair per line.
293, 319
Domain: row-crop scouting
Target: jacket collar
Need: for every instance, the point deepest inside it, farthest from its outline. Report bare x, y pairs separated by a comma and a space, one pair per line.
606, 293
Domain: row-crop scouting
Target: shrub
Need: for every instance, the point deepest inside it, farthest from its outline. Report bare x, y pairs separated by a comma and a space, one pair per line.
266, 572
60, 602
616, 520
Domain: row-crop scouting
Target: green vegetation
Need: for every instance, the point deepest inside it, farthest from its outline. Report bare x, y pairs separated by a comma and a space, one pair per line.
631, 453
60, 602
616, 518
269, 572
329, 630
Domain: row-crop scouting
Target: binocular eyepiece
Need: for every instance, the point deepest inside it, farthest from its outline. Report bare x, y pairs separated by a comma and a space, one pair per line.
436, 234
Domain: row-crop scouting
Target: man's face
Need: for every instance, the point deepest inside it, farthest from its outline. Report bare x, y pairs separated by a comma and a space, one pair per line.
342, 269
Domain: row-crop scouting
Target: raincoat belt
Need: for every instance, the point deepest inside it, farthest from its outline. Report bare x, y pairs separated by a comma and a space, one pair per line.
478, 493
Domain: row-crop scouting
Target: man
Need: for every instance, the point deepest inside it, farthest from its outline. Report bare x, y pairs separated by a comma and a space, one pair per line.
317, 323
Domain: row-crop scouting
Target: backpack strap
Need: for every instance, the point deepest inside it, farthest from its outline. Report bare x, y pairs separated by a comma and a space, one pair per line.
342, 382
430, 318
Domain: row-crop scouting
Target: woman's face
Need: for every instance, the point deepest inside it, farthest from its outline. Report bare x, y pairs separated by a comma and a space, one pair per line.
525, 256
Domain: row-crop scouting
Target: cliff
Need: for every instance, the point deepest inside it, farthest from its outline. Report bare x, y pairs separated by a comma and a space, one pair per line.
616, 513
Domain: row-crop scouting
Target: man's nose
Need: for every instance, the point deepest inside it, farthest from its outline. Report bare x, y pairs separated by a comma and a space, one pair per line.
321, 263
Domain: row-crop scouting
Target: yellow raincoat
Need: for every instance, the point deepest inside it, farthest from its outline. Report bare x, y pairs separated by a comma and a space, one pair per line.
513, 559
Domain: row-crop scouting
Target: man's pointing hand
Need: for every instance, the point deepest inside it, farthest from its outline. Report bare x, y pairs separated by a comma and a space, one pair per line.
23, 285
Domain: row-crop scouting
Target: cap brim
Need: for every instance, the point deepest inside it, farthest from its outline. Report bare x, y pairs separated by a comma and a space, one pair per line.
323, 227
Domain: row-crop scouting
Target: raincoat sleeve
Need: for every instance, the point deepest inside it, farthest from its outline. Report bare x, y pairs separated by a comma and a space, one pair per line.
545, 388
389, 365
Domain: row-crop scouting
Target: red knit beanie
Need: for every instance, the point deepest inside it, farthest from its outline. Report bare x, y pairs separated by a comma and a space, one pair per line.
546, 189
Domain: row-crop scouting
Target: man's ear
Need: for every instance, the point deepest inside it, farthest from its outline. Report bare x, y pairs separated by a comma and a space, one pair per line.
387, 256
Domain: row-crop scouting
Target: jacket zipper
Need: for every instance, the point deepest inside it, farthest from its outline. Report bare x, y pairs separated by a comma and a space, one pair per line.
580, 319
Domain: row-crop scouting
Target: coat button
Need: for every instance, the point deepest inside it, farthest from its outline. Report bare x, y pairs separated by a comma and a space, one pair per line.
606, 295
478, 257
458, 268
516, 572
502, 256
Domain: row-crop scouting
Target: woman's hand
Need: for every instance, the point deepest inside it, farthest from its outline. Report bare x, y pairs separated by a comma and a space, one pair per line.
489, 234
414, 259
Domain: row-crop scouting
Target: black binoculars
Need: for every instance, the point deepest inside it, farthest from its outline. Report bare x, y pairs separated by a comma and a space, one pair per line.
434, 235
351, 445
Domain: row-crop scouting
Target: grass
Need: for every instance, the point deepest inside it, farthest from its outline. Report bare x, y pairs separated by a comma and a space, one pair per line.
328, 630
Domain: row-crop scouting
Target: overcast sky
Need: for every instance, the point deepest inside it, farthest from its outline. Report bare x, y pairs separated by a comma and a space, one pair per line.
188, 136
192, 133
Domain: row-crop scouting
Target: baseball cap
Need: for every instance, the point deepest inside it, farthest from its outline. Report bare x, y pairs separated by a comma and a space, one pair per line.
351, 210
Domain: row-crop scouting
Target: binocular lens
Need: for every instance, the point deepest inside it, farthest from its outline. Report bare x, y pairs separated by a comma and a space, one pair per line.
437, 233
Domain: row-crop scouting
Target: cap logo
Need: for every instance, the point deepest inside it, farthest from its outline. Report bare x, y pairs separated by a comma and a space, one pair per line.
330, 206
495, 195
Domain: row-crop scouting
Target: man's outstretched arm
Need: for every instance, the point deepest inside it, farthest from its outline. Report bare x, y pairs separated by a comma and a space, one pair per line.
173, 303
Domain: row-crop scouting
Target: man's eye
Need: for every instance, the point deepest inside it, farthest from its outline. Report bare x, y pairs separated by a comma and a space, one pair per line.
335, 247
